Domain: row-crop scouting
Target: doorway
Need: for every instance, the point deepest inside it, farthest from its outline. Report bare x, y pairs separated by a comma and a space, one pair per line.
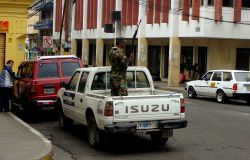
79, 48
154, 53
243, 59
202, 60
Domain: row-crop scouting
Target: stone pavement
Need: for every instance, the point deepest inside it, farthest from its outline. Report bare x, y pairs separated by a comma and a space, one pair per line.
19, 141
163, 85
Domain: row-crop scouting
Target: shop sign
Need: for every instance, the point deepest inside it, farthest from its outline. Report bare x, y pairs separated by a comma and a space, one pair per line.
4, 26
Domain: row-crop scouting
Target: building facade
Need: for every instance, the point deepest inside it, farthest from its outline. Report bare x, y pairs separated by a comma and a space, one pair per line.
173, 35
44, 8
33, 34
13, 29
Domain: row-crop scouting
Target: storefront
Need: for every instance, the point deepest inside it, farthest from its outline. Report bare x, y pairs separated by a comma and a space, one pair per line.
13, 29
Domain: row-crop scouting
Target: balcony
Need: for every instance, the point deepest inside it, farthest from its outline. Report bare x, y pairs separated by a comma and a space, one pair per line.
42, 5
44, 24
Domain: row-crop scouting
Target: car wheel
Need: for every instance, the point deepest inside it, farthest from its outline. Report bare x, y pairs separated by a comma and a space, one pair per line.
64, 122
158, 139
221, 97
95, 136
191, 92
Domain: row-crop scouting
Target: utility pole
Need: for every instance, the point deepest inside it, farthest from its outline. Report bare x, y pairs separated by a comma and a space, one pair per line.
63, 17
60, 37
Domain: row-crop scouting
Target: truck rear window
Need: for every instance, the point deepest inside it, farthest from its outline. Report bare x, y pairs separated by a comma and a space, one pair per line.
47, 70
68, 68
101, 81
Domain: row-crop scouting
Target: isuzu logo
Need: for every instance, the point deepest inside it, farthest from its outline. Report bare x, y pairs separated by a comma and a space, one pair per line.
147, 108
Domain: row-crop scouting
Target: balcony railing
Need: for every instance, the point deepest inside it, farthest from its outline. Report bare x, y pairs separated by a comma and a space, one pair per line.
42, 5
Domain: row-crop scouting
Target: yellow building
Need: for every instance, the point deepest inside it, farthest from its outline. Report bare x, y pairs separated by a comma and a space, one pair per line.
13, 29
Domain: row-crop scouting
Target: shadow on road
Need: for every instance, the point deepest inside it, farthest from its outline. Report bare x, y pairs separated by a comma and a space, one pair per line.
230, 101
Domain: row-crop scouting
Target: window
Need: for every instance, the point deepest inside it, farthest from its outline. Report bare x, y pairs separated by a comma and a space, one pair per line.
217, 76
99, 82
83, 82
227, 3
141, 80
245, 3
227, 76
29, 72
21, 71
207, 76
68, 68
47, 70
210, 2
242, 76
73, 81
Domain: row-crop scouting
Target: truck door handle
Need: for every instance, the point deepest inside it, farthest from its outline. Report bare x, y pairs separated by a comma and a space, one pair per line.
81, 100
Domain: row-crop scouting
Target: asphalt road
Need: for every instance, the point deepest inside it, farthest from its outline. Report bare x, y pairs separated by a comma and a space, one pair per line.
215, 132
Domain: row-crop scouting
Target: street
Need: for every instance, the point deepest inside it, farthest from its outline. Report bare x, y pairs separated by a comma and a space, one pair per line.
215, 131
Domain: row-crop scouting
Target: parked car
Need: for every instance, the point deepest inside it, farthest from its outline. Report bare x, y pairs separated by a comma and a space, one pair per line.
87, 99
39, 80
222, 84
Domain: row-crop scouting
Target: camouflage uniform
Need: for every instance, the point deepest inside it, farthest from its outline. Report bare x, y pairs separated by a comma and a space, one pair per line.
119, 63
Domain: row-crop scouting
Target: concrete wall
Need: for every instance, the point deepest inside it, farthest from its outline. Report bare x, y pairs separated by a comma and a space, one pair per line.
221, 54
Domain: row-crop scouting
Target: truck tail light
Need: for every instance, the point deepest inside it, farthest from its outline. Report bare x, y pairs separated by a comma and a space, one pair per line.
108, 109
182, 105
235, 87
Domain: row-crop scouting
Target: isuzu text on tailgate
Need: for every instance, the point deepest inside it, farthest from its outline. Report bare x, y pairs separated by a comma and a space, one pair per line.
86, 99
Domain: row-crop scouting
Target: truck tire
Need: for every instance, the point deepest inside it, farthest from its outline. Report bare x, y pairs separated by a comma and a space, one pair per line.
220, 96
95, 136
64, 122
248, 101
158, 139
191, 92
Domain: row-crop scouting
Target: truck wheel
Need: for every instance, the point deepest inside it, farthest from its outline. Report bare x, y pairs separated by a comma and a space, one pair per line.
191, 92
157, 139
220, 96
248, 101
64, 122
95, 136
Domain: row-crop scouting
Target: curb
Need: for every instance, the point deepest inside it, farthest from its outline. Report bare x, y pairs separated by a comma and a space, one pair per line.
43, 156
170, 89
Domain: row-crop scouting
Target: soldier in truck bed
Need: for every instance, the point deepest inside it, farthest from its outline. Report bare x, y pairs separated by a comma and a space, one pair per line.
119, 63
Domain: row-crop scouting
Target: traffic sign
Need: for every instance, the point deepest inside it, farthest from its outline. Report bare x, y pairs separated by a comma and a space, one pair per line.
47, 42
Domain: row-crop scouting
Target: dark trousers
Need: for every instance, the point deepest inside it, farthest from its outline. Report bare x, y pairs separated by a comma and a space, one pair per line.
5, 97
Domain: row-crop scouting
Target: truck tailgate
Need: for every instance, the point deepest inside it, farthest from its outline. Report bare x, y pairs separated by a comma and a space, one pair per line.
146, 108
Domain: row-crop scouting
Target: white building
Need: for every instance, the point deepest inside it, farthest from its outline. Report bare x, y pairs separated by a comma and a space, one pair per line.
173, 34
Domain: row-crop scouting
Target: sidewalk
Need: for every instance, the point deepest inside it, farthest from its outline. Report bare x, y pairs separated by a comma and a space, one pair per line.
163, 85
18, 141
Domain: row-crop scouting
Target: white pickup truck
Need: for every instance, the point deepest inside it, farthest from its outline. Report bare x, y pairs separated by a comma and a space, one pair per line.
86, 99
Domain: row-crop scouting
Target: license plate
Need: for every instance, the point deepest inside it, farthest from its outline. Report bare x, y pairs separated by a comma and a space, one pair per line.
48, 91
147, 125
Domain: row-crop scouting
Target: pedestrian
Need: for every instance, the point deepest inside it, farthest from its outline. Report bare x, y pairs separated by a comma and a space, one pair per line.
119, 63
7, 77
193, 72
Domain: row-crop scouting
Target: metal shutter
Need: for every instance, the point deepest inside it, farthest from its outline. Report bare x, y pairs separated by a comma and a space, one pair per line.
2, 50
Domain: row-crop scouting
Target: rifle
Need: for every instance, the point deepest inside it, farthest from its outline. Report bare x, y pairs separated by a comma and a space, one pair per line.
133, 40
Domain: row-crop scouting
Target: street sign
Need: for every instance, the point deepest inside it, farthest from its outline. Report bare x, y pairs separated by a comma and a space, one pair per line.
47, 42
